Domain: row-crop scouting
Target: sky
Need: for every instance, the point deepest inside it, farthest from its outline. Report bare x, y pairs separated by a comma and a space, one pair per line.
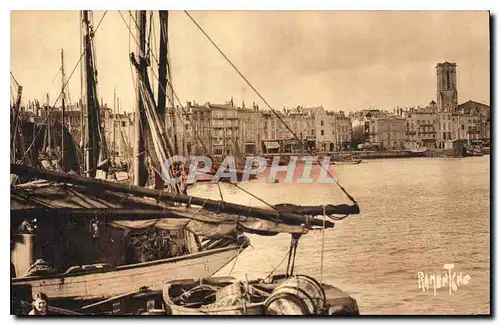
343, 60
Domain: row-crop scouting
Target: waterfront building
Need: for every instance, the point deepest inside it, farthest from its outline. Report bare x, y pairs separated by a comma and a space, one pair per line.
388, 133
316, 129
223, 129
421, 127
481, 118
320, 125
216, 128
342, 131
251, 129
360, 124
281, 130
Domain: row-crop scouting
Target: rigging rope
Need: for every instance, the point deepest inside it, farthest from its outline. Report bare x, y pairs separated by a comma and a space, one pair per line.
58, 71
236, 260
11, 90
52, 108
322, 244
263, 99
14, 78
148, 39
254, 196
220, 192
152, 40
276, 267
12, 96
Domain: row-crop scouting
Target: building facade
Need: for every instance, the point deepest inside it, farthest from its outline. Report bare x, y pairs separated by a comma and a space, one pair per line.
342, 133
421, 127
388, 133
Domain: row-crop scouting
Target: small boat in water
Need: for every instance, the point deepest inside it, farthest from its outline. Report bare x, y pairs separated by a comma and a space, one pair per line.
418, 152
347, 162
280, 295
349, 159
473, 151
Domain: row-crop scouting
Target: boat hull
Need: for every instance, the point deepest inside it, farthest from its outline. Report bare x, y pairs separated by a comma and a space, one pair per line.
354, 162
129, 278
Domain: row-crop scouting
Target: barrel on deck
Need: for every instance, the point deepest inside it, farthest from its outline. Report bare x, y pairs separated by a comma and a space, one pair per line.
297, 295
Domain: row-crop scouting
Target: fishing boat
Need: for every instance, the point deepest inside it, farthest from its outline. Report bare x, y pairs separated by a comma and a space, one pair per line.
278, 295
102, 281
89, 258
89, 226
473, 151
347, 162
418, 152
285, 294
100, 249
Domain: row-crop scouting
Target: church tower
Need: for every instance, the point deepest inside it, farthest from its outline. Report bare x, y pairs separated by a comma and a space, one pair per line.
447, 94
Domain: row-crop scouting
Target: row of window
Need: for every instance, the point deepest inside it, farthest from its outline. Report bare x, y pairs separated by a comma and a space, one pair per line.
225, 113
418, 134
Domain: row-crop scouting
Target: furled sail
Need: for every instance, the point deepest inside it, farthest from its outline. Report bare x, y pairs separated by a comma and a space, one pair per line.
199, 222
284, 213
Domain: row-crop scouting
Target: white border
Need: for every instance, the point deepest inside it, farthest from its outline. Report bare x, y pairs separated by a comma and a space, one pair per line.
200, 5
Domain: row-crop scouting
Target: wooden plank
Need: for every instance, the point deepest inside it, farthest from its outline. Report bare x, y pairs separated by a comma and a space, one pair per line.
102, 285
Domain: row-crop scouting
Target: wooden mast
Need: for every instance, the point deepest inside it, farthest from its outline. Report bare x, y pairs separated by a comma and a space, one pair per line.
92, 109
63, 108
162, 64
163, 75
168, 79
139, 147
80, 101
49, 122
114, 126
16, 108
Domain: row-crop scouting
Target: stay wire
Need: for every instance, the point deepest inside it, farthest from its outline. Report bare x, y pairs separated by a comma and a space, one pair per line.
322, 244
279, 264
14, 78
263, 99
220, 192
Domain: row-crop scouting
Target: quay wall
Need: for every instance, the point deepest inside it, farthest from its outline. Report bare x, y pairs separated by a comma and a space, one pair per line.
392, 154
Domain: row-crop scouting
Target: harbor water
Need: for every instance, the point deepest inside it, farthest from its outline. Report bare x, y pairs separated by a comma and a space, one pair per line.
416, 215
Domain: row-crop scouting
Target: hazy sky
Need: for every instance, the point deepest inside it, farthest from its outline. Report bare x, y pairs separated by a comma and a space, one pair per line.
342, 60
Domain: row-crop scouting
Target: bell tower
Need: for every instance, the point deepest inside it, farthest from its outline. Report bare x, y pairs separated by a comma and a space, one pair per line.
447, 94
